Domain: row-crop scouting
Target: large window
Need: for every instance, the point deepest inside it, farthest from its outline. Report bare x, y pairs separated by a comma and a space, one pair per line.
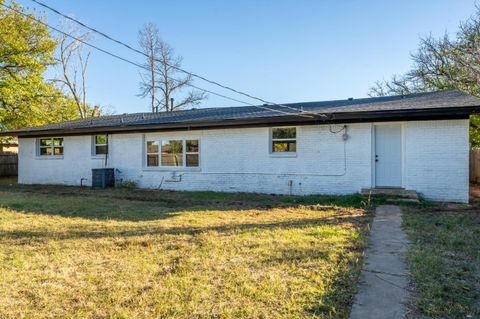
284, 140
172, 153
100, 145
50, 146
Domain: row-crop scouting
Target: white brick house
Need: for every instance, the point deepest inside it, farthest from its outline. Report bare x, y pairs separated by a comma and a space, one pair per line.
418, 142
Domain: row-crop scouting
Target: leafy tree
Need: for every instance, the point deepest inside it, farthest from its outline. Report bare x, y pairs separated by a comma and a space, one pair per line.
444, 63
26, 50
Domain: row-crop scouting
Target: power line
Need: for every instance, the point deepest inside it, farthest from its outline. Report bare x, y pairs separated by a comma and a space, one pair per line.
169, 65
142, 66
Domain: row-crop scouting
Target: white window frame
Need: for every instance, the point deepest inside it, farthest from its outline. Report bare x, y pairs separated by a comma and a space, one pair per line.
191, 153
156, 153
159, 154
52, 147
94, 146
272, 139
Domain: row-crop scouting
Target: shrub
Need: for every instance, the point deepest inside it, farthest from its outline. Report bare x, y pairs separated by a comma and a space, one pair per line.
129, 184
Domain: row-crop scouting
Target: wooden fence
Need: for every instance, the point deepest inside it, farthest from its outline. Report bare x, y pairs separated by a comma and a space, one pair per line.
475, 166
8, 164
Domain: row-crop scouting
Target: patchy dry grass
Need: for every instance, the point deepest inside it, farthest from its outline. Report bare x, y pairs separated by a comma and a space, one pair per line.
70, 252
444, 260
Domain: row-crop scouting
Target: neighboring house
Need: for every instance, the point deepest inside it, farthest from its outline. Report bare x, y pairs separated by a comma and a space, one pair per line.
417, 141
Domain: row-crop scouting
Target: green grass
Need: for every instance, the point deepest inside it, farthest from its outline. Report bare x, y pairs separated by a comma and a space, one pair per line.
80, 253
444, 260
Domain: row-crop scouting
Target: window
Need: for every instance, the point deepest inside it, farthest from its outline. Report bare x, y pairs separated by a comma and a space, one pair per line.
191, 157
284, 140
152, 153
50, 146
172, 153
100, 145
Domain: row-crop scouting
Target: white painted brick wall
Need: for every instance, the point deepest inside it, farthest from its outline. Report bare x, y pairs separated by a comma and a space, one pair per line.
239, 160
436, 159
76, 163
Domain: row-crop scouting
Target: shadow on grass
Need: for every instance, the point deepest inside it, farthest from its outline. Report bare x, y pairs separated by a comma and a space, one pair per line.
143, 205
338, 296
334, 300
99, 232
148, 205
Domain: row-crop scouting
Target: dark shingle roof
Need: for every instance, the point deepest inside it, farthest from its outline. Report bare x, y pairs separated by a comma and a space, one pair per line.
354, 108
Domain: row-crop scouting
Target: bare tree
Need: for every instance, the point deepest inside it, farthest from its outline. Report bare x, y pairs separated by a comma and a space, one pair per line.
448, 62
74, 62
164, 80
398, 85
149, 41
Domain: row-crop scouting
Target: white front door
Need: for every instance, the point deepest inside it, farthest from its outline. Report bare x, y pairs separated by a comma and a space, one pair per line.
388, 155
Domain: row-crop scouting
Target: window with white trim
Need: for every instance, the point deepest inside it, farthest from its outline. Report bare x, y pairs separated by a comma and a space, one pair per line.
172, 153
50, 146
283, 140
192, 158
100, 144
152, 153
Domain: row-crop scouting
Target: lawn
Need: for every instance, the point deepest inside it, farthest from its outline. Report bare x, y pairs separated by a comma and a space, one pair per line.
444, 259
75, 252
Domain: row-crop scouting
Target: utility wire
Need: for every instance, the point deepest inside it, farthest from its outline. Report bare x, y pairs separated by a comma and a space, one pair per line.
172, 66
142, 66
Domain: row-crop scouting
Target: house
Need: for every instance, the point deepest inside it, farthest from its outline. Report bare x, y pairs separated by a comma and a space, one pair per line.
417, 141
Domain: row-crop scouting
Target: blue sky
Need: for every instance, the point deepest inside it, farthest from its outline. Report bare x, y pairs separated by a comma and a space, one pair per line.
282, 51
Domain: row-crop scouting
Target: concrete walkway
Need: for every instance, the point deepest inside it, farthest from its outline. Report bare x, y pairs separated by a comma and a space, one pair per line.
382, 291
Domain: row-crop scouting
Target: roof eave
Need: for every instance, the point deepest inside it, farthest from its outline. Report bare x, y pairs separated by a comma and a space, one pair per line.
345, 117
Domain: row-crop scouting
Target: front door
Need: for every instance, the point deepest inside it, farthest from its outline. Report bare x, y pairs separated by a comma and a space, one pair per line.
388, 156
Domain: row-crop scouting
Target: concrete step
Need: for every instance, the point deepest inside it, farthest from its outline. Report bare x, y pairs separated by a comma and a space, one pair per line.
402, 200
395, 192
